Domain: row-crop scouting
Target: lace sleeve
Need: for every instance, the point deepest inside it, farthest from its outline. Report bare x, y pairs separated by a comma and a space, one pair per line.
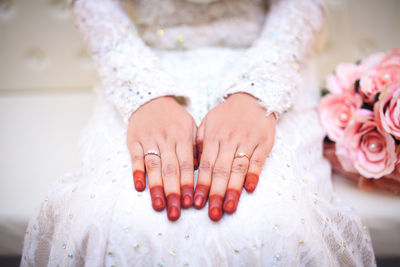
128, 69
273, 62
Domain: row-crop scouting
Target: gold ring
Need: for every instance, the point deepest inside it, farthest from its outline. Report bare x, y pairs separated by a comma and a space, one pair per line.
152, 152
242, 155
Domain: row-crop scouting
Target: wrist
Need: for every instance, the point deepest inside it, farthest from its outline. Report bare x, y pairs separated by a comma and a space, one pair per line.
248, 99
241, 95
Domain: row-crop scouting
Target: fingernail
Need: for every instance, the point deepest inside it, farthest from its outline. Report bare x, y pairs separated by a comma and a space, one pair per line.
158, 204
157, 196
215, 207
231, 200
139, 180
251, 182
173, 214
215, 214
174, 207
139, 186
186, 202
198, 202
201, 195
229, 206
187, 196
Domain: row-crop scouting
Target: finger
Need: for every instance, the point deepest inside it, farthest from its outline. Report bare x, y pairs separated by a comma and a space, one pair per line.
220, 177
204, 177
199, 140
171, 181
153, 169
184, 153
256, 165
137, 159
195, 150
239, 169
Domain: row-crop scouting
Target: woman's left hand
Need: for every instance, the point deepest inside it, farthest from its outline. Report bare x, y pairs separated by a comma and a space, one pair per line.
233, 140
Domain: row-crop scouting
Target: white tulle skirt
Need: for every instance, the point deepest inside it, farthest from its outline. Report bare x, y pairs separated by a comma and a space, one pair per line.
94, 216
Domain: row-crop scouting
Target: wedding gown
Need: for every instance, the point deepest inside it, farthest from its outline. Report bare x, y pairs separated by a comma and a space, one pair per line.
201, 52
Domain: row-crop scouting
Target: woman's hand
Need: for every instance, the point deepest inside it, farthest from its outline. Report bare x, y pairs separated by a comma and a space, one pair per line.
164, 126
236, 126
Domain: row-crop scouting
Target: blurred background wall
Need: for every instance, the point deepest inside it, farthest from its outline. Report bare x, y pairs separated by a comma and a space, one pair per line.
46, 98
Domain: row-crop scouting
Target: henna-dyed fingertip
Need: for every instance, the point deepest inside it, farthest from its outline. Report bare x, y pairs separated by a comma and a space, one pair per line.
251, 182
187, 196
186, 201
173, 214
174, 206
215, 207
139, 186
250, 187
230, 206
158, 204
139, 180
215, 214
198, 202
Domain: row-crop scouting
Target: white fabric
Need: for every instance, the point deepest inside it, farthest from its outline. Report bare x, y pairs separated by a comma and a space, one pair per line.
95, 217
379, 210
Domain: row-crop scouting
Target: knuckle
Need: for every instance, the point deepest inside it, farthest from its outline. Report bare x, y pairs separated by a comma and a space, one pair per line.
186, 166
231, 136
163, 134
221, 172
153, 164
240, 168
205, 166
211, 137
257, 162
136, 158
182, 134
170, 170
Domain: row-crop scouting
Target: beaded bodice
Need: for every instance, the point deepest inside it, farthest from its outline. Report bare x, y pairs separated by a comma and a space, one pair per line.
136, 44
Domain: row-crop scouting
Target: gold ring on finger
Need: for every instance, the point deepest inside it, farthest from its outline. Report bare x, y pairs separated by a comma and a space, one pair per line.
152, 152
242, 155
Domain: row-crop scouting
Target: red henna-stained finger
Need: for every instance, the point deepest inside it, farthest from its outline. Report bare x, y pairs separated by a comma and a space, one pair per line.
157, 197
187, 192
199, 150
200, 146
139, 180
251, 182
231, 201
173, 206
215, 207
199, 157
195, 157
200, 196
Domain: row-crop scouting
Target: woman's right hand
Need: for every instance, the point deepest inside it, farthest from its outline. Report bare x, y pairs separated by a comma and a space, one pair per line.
163, 125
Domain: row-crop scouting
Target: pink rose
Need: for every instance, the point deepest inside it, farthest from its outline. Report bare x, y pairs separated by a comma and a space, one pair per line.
398, 161
387, 71
371, 62
391, 58
398, 168
387, 110
333, 85
336, 110
348, 74
343, 80
365, 148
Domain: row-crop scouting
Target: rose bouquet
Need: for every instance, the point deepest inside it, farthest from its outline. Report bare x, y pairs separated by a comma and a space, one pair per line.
360, 111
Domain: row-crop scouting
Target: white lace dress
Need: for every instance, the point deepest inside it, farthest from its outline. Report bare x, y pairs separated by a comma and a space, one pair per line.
202, 52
